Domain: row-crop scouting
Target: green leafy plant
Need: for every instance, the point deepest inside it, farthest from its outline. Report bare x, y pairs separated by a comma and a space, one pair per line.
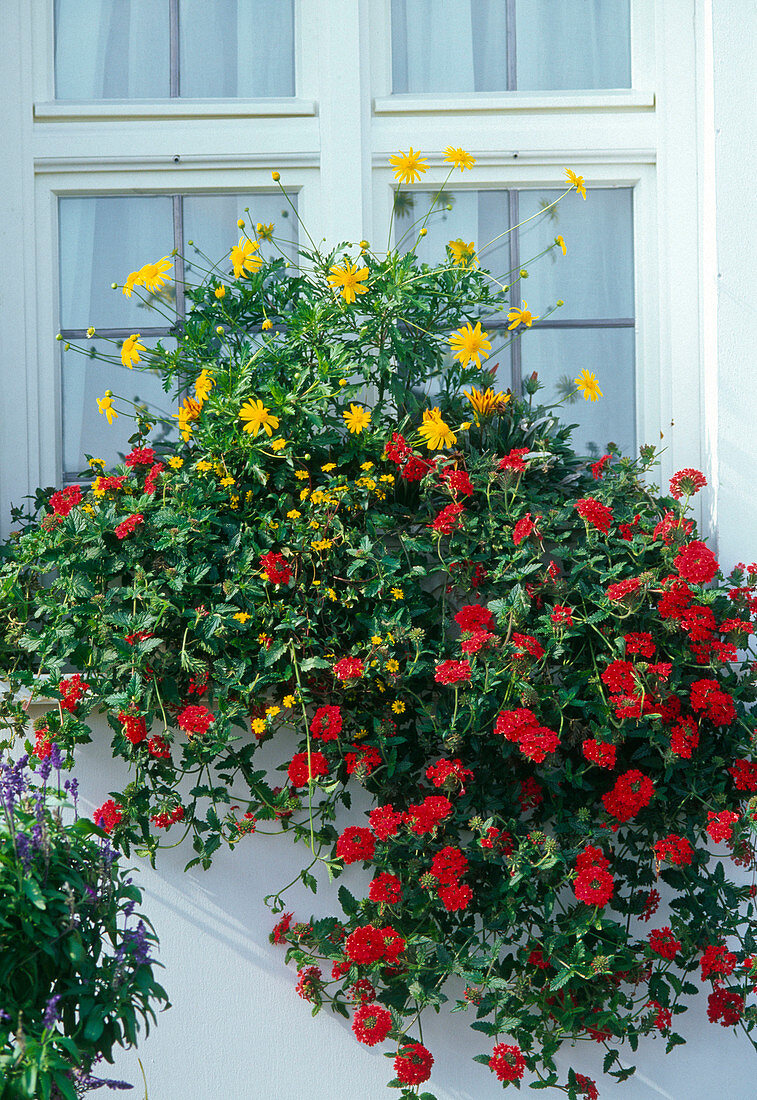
527, 660
76, 976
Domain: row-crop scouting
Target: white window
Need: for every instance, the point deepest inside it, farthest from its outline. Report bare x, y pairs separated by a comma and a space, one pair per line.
147, 105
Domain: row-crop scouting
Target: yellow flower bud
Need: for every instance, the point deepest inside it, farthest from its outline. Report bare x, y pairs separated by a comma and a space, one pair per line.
220, 292
275, 177
423, 232
219, 330
240, 223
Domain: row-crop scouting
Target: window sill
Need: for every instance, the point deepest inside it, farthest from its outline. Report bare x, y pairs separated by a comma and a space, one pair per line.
137, 109
482, 102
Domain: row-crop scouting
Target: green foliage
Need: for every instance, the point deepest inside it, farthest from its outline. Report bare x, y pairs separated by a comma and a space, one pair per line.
473, 583
76, 978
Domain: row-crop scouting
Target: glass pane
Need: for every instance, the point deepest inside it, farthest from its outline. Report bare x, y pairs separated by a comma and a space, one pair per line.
210, 221
473, 217
438, 46
102, 240
564, 44
85, 428
236, 48
595, 279
558, 355
112, 49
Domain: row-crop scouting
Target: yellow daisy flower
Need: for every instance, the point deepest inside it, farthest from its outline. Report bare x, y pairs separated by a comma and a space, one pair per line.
242, 616
289, 700
397, 593
265, 232
175, 463
435, 432
273, 711
559, 239
462, 253
376, 639
258, 724
243, 257
257, 416
301, 475
357, 418
392, 665
329, 466
520, 317
408, 167
293, 514
348, 278
577, 182
204, 383
220, 292
153, 276
458, 158
278, 444
470, 344
398, 706
105, 405
486, 402
130, 350
588, 385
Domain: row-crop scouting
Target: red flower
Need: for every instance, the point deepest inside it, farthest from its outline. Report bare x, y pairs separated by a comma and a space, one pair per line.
720, 826
514, 460
449, 865
275, 568
640, 643
455, 896
278, 934
522, 725
473, 617
135, 728
663, 942
664, 1017
62, 502
448, 519
385, 889
669, 525
717, 960
623, 588
158, 747
108, 815
686, 481
43, 746
684, 738
744, 775
452, 672
413, 1064
707, 696
594, 886
415, 468
631, 793
675, 849
309, 985
587, 1086
591, 856
151, 480
428, 815
394, 944
364, 760
195, 719
398, 450
165, 820
598, 467
385, 821
72, 689
524, 528
448, 771
327, 723
619, 677
507, 1062
298, 772
372, 1024
725, 1006
355, 844
562, 615
365, 945
530, 795
472, 643
528, 645
140, 456
127, 526
600, 753
696, 563
349, 668
361, 990
458, 482
598, 515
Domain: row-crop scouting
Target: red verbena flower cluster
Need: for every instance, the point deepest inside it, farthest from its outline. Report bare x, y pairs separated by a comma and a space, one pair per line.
140, 456
327, 723
708, 697
663, 942
194, 719
452, 672
675, 849
717, 962
696, 563
385, 821
562, 615
108, 815
600, 753
275, 568
129, 525
633, 791
168, 818
450, 772
507, 1062
425, 817
372, 1024
744, 775
413, 1064
623, 588
72, 688
134, 727
686, 482
448, 519
720, 826
595, 513
298, 771
725, 1006
63, 501
349, 668
368, 944
385, 889
355, 844
594, 884
524, 528
521, 726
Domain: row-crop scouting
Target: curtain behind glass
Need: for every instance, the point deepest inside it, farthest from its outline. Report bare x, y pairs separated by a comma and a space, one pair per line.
236, 48
111, 49
443, 46
564, 44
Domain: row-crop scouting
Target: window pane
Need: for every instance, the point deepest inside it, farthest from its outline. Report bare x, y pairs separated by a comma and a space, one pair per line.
85, 428
210, 221
112, 49
595, 279
564, 44
558, 355
473, 217
236, 48
438, 46
102, 240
